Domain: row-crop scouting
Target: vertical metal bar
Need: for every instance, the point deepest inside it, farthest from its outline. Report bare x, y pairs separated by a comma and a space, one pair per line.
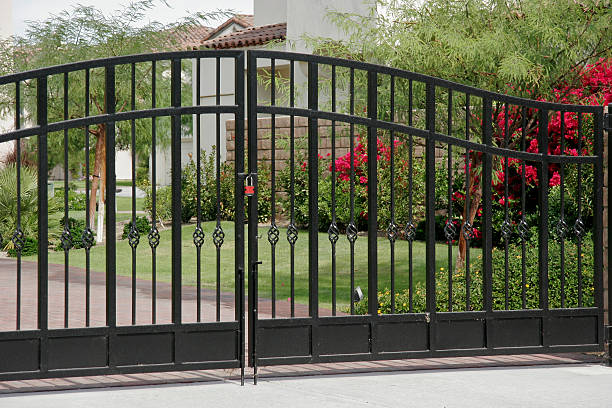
273, 238
239, 203
153, 233
43, 220
410, 224
543, 221
219, 234
313, 196
467, 229
134, 231
252, 232
506, 223
372, 197
561, 229
430, 220
175, 153
110, 199
392, 232
351, 230
609, 305
18, 231
487, 217
449, 180
523, 222
580, 226
598, 223
198, 154
66, 237
333, 228
111, 246
88, 234
292, 232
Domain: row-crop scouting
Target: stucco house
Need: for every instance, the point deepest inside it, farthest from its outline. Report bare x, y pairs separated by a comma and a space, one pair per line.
281, 24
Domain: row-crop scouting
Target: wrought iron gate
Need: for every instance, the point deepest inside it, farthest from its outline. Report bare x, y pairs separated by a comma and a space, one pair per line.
382, 282
491, 304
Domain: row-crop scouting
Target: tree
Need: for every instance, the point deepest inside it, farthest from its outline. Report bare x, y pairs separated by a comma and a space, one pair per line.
528, 48
85, 33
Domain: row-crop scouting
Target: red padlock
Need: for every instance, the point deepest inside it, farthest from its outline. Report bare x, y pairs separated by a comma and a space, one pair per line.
249, 188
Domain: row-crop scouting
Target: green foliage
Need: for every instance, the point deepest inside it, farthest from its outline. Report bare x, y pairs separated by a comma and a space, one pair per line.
76, 228
8, 203
30, 247
163, 202
86, 33
570, 279
76, 201
142, 226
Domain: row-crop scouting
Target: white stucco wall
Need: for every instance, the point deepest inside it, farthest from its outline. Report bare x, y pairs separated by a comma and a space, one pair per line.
270, 11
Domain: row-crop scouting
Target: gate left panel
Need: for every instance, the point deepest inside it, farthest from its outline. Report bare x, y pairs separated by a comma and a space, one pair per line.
121, 220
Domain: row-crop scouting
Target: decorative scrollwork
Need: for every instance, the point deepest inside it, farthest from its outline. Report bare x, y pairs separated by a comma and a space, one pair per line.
333, 233
450, 231
523, 230
154, 238
87, 238
351, 232
273, 235
134, 237
579, 228
18, 239
66, 239
410, 231
506, 230
292, 234
198, 237
392, 232
218, 236
468, 231
561, 230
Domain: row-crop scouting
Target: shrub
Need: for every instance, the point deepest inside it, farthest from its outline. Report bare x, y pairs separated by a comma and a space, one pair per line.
8, 203
76, 228
532, 279
142, 226
76, 201
30, 247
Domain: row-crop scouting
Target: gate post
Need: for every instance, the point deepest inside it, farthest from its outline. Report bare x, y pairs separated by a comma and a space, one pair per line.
607, 232
430, 220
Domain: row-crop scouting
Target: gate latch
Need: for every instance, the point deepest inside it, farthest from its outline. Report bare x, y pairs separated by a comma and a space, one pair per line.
249, 186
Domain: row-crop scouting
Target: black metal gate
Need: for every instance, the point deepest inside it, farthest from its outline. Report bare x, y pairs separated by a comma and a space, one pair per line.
59, 320
457, 143
470, 234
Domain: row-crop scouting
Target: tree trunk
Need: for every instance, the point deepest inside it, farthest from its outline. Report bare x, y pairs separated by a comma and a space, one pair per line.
98, 173
469, 214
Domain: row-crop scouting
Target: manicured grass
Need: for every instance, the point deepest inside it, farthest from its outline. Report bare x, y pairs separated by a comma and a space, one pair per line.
125, 204
143, 266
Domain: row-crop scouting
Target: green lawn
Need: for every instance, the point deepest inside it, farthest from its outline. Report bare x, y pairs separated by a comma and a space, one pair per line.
124, 259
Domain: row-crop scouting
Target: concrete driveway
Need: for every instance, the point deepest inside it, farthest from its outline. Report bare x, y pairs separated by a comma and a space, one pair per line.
559, 386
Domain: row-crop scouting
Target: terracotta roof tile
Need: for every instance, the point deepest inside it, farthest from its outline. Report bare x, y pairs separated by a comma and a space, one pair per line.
191, 37
248, 37
243, 20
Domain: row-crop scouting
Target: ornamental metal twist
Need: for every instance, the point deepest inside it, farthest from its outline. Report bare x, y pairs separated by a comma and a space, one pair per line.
18, 239
579, 228
392, 231
273, 235
351, 232
198, 237
218, 236
561, 229
468, 231
292, 234
66, 240
410, 231
87, 238
450, 231
134, 237
523, 230
154, 238
506, 230
333, 233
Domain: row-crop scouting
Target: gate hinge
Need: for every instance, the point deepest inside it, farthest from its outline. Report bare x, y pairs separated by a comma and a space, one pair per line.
607, 125
608, 333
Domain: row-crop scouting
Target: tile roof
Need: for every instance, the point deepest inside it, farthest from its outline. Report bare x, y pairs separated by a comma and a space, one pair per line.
191, 37
243, 20
248, 37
